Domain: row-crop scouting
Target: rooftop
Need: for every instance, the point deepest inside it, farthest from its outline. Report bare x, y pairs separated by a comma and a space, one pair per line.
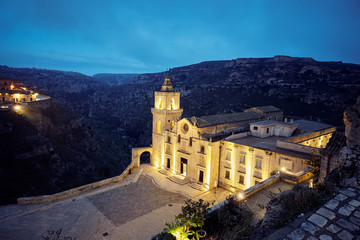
211, 120
310, 126
266, 109
268, 143
272, 122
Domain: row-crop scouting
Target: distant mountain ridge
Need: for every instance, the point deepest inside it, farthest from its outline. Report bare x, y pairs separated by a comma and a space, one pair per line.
117, 106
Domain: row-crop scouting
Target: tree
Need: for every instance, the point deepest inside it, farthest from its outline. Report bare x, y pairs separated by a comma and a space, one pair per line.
192, 216
315, 160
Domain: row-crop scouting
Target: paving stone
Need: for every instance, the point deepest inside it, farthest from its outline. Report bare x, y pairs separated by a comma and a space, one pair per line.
340, 197
351, 189
332, 204
333, 228
345, 235
346, 210
311, 238
309, 227
325, 237
318, 220
357, 214
354, 203
355, 220
326, 213
348, 193
297, 234
348, 225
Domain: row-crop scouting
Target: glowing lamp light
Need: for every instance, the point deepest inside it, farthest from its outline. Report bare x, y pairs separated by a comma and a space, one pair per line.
283, 169
241, 196
17, 107
11, 87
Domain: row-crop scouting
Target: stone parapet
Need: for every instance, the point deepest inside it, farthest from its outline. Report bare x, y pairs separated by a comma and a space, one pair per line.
74, 191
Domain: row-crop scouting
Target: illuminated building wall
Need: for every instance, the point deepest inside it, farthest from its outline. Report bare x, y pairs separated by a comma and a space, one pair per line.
180, 146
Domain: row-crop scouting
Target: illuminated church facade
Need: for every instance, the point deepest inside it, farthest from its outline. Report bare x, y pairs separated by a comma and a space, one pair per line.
234, 151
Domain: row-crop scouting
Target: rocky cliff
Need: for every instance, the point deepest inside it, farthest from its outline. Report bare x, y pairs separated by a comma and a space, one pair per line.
46, 149
352, 124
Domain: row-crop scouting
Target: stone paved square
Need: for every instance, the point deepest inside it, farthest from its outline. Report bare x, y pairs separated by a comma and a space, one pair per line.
333, 228
354, 203
355, 220
297, 234
345, 235
318, 220
332, 204
326, 213
348, 225
346, 210
341, 197
348, 193
309, 227
325, 237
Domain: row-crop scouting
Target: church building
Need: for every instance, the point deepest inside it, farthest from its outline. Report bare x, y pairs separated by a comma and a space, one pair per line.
234, 151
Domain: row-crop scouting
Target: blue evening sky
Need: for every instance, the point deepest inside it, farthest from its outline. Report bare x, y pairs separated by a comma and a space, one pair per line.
115, 36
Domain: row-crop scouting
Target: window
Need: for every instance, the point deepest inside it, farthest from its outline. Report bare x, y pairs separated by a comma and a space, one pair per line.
255, 128
158, 127
258, 164
169, 139
190, 141
267, 130
168, 151
227, 175
202, 149
202, 161
179, 138
241, 179
185, 128
242, 159
256, 182
168, 163
228, 155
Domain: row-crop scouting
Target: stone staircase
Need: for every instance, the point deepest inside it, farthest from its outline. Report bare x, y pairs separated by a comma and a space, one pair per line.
179, 179
163, 171
197, 186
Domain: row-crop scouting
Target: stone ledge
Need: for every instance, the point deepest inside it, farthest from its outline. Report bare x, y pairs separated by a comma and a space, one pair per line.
74, 191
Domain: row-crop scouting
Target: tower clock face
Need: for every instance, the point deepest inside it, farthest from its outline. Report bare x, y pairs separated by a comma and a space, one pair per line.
185, 128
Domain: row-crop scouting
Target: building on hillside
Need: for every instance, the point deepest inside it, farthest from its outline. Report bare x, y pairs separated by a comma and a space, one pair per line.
234, 151
14, 92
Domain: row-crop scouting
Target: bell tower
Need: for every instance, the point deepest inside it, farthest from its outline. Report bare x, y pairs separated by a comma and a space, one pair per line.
166, 112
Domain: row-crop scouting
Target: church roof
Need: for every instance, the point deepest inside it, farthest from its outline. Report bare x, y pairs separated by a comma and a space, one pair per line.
211, 120
311, 126
266, 109
167, 86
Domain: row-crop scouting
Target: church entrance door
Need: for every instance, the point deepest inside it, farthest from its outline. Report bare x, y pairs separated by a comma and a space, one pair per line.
183, 166
201, 176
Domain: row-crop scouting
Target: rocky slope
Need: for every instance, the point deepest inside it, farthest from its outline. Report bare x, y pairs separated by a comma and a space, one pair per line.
352, 124
46, 149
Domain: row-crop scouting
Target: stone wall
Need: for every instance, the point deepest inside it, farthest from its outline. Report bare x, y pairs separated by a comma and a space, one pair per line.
74, 191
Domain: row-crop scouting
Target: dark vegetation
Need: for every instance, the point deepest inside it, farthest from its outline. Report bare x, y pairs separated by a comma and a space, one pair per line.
47, 149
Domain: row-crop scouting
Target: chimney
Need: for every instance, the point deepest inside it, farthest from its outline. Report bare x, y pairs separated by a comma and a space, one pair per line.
291, 121
285, 120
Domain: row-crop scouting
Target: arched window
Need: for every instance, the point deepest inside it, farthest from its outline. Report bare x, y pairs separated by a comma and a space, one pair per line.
172, 104
160, 106
179, 138
158, 127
